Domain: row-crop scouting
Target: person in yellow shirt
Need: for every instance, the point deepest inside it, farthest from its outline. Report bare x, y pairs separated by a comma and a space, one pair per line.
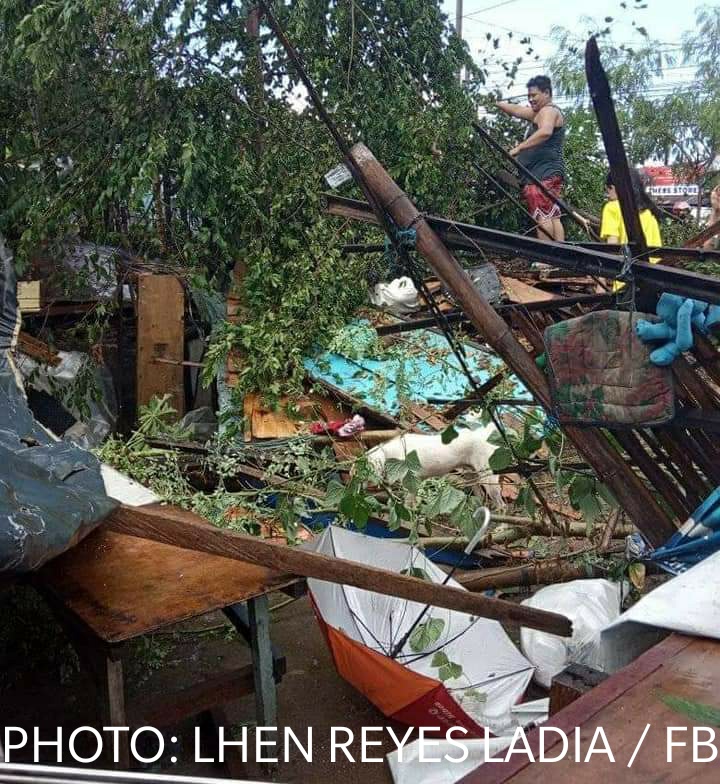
612, 226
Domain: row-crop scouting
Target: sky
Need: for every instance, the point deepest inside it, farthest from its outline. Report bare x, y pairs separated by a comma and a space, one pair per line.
664, 20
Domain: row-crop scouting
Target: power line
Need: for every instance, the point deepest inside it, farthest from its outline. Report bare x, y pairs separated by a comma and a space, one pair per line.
488, 8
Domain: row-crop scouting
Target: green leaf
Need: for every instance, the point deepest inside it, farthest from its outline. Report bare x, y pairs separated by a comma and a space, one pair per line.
445, 502
426, 634
335, 492
500, 459
439, 659
580, 487
589, 507
356, 508
699, 712
604, 493
636, 573
449, 671
412, 461
449, 434
411, 483
480, 696
563, 479
416, 571
395, 470
495, 438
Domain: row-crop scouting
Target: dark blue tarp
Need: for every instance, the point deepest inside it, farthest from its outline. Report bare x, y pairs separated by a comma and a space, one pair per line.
698, 538
51, 492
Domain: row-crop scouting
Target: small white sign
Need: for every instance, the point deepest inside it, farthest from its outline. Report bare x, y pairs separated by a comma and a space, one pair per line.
338, 176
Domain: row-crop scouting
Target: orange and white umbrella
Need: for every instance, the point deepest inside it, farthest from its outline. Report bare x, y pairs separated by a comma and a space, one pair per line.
451, 670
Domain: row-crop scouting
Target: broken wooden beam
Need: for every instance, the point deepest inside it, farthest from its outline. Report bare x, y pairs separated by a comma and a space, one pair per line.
160, 335
628, 489
605, 264
183, 529
37, 349
702, 237
612, 138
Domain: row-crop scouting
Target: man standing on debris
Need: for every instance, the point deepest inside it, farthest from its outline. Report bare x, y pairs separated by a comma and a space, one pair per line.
541, 152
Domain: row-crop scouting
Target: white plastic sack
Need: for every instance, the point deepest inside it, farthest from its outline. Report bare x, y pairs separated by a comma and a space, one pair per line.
591, 605
399, 296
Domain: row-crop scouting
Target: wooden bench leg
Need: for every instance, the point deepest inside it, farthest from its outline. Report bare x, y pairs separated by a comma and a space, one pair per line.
111, 693
105, 664
262, 658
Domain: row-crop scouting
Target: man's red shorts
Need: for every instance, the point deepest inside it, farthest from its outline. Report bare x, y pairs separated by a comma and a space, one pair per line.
540, 206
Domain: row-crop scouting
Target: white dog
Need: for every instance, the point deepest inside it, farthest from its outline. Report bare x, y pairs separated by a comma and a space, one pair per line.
470, 449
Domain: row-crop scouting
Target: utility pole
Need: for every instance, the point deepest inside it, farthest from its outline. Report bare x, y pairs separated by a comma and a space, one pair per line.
458, 29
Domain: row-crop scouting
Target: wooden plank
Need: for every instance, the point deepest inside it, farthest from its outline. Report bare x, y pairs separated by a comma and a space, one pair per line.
702, 237
582, 711
160, 333
267, 422
182, 529
28, 296
264, 680
521, 293
119, 586
164, 710
570, 684
691, 674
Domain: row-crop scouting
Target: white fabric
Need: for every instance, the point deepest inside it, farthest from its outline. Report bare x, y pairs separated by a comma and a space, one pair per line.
412, 771
688, 603
492, 665
591, 605
399, 296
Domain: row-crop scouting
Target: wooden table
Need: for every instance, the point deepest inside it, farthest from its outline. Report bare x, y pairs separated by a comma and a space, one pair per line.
112, 588
680, 666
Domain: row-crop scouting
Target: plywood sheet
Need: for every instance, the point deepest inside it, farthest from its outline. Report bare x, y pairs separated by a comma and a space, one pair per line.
160, 334
685, 668
520, 293
122, 586
266, 422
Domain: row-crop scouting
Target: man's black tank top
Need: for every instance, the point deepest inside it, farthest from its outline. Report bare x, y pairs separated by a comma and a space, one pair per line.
546, 159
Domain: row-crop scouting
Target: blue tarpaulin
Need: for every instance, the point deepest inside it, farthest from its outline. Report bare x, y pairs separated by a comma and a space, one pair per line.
698, 538
425, 372
52, 493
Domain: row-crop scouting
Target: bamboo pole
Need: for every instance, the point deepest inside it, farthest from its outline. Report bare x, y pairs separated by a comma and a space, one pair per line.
539, 573
179, 528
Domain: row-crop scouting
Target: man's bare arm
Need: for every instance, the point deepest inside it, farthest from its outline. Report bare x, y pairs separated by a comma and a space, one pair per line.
546, 118
523, 112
